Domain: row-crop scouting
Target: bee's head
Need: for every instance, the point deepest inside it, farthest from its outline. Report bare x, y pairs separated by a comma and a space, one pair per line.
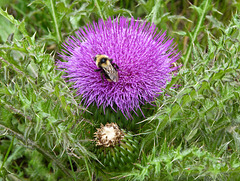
102, 60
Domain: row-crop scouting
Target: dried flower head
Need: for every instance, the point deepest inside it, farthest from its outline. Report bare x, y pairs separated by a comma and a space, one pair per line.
108, 135
144, 58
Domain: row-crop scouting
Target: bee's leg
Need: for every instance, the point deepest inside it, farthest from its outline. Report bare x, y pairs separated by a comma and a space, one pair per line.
115, 66
102, 77
97, 70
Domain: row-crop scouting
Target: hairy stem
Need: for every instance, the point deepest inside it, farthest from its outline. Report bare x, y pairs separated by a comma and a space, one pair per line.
99, 9
55, 21
194, 37
18, 70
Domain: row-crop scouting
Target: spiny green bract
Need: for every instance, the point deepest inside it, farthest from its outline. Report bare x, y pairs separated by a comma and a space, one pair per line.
116, 149
99, 116
121, 157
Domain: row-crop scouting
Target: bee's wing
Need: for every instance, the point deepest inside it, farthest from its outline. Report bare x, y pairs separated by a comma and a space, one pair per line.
111, 72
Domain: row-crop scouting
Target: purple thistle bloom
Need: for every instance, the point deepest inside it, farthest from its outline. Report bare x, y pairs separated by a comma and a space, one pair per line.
144, 58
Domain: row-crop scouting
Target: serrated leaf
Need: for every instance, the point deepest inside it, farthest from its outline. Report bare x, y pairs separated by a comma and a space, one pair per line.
197, 9
20, 25
177, 17
182, 33
6, 28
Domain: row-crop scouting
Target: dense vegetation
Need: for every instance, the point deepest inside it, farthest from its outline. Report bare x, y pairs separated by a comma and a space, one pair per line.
194, 132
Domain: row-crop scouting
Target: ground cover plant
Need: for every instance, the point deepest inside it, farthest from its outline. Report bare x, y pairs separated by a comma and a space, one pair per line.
189, 132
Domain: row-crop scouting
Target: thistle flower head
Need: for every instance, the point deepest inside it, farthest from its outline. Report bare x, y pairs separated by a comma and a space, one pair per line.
108, 135
144, 58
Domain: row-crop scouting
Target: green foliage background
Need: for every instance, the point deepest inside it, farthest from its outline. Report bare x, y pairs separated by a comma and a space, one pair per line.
193, 135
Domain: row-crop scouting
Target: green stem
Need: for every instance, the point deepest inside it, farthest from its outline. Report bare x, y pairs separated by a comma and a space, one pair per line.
14, 48
72, 167
14, 110
18, 70
8, 151
99, 9
155, 11
202, 18
55, 21
89, 174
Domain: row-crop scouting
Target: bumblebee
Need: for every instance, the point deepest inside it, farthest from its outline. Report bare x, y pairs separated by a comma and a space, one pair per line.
106, 68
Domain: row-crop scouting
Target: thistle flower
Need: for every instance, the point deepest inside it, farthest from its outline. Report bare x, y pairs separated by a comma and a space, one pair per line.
144, 58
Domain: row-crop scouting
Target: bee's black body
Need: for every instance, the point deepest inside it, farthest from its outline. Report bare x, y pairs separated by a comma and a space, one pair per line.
106, 68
